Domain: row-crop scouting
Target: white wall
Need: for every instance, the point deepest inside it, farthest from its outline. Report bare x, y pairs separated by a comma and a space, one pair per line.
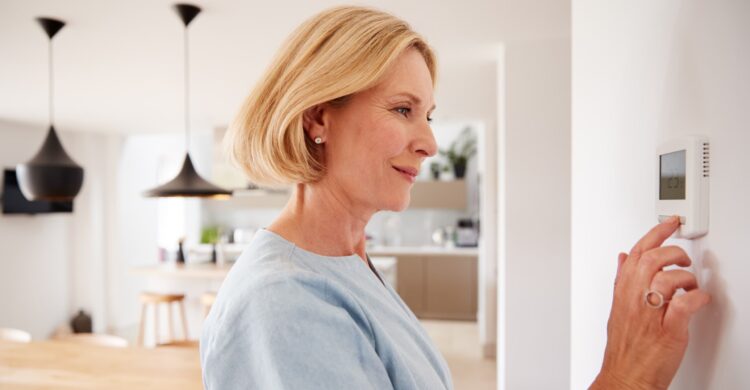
536, 229
34, 250
643, 72
534, 203
89, 233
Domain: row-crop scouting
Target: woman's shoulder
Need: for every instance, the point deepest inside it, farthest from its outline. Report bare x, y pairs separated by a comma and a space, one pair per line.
273, 314
266, 267
269, 291
273, 288
267, 282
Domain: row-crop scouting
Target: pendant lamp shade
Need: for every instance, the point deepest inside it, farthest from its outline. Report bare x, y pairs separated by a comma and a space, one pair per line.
187, 183
51, 175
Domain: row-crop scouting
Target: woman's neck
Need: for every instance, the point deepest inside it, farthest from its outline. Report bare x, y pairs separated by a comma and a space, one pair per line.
322, 220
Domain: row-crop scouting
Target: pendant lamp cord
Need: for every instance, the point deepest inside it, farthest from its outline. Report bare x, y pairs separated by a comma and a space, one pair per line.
187, 95
51, 88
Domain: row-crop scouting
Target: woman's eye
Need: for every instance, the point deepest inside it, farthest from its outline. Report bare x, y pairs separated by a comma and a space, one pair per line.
403, 110
429, 119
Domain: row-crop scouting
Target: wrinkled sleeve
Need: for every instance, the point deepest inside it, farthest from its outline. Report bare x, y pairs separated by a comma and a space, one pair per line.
291, 333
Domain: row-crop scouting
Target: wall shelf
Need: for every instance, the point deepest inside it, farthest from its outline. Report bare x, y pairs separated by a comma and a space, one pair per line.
259, 199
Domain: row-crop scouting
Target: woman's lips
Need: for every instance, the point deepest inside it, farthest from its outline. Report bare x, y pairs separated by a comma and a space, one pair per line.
408, 173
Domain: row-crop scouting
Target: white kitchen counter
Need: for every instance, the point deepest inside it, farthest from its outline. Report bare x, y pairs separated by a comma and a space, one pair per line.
380, 250
183, 271
233, 251
210, 271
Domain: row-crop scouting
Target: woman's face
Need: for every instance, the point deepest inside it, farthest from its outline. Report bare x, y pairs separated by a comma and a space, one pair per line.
377, 140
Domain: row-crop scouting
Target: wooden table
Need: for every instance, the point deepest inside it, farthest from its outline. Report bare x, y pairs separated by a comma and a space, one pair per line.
61, 365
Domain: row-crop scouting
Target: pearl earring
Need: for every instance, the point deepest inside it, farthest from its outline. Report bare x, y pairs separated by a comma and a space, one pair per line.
318, 140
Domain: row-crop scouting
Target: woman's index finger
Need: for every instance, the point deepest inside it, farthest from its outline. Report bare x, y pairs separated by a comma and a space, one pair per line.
656, 236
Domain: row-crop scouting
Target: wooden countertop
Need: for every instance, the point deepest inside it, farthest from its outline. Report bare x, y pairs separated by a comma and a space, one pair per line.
62, 365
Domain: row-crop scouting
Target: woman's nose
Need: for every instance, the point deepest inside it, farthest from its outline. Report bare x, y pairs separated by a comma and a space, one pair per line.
425, 144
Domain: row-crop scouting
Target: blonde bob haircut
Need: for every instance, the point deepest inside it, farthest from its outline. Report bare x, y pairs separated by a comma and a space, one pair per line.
334, 54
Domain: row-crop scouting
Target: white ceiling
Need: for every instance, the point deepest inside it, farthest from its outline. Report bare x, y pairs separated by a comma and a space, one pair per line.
118, 65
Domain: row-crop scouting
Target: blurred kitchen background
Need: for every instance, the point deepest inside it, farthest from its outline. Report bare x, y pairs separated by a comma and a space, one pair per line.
509, 267
111, 256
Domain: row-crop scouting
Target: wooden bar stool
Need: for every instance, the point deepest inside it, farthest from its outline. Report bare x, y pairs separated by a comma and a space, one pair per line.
207, 300
154, 299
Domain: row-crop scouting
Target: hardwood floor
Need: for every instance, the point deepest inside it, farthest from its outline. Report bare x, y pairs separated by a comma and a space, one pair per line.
458, 341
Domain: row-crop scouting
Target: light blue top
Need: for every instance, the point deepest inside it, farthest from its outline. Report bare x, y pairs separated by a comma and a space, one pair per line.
286, 318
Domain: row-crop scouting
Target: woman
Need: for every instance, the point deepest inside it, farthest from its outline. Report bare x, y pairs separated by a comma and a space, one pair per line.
344, 113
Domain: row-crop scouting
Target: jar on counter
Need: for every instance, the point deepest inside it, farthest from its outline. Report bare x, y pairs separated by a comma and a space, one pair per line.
467, 234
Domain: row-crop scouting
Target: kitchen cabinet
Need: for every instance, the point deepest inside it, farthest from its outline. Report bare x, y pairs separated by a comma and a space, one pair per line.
439, 195
439, 287
410, 281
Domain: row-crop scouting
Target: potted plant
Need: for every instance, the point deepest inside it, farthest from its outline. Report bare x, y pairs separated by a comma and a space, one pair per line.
435, 169
210, 235
461, 150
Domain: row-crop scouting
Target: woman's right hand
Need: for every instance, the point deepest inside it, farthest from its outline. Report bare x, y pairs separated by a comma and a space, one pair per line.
645, 345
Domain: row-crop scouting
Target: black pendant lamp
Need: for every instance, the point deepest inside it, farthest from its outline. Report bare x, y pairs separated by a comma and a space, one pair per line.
187, 183
51, 175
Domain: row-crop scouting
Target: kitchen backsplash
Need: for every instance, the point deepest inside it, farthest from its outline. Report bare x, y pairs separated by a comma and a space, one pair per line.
407, 228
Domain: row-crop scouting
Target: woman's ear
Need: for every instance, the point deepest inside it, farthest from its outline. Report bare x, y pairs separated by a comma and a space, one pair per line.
313, 121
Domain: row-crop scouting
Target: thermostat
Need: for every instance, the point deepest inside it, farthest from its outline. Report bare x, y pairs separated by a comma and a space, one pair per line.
682, 184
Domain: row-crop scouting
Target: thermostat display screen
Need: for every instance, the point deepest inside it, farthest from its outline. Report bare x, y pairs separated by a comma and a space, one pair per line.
672, 176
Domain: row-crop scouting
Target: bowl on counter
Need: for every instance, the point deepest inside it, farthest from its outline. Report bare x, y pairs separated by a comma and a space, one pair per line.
203, 253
